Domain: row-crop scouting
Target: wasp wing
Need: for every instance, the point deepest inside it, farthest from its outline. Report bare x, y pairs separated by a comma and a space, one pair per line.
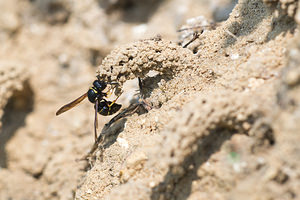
72, 104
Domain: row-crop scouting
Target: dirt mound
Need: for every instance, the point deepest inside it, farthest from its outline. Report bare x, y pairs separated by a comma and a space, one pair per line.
225, 109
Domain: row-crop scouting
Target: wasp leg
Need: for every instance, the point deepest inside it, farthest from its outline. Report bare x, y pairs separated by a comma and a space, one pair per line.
114, 101
108, 94
113, 83
126, 112
96, 119
115, 86
89, 155
132, 108
141, 94
195, 36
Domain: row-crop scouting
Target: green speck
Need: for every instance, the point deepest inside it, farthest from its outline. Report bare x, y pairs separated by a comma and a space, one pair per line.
234, 156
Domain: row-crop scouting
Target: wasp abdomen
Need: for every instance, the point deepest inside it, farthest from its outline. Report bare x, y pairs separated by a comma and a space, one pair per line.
108, 108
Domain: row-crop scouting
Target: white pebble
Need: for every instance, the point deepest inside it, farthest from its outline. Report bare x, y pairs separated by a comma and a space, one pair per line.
122, 142
234, 56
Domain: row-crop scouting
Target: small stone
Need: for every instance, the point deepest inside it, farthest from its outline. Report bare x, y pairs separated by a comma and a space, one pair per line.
234, 56
122, 142
152, 184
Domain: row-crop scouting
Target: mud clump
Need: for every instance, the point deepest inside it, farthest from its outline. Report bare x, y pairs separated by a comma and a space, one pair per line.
12, 77
283, 6
137, 59
223, 123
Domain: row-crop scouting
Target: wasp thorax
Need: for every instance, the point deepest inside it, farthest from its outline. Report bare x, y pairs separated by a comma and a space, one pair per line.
92, 95
99, 85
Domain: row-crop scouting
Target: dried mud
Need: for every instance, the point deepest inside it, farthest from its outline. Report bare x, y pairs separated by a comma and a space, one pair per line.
225, 109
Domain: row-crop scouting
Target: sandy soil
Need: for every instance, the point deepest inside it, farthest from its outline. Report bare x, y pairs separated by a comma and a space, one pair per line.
225, 109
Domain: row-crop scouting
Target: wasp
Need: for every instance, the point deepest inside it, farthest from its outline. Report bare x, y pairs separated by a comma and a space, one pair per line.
96, 95
140, 106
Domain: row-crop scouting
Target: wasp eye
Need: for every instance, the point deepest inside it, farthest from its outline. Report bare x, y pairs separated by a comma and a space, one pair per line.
100, 85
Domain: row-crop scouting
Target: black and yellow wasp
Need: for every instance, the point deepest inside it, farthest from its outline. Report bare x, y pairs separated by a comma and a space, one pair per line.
96, 96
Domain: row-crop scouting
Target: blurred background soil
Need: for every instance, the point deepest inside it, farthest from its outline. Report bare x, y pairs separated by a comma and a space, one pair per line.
226, 108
